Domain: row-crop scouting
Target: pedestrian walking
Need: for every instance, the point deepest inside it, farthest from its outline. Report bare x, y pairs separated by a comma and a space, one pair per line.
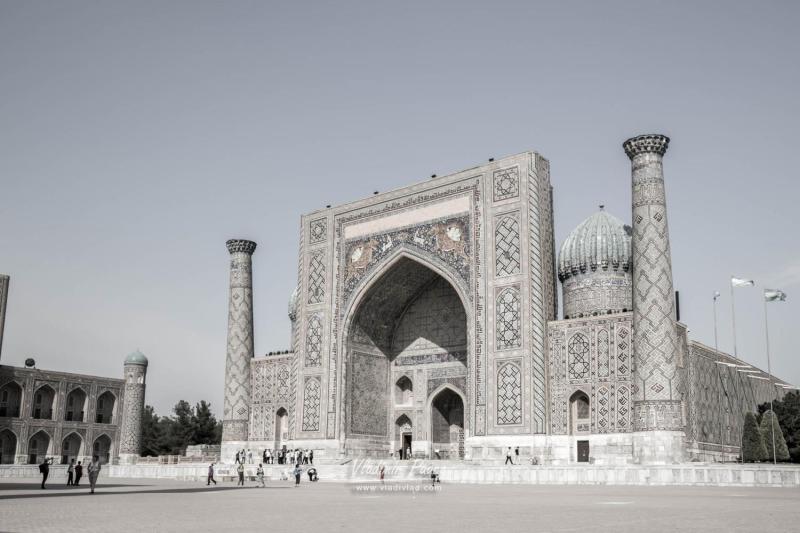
516, 454
260, 475
508, 456
70, 472
78, 473
311, 456
94, 471
211, 475
382, 472
249, 457
297, 473
44, 469
240, 470
238, 457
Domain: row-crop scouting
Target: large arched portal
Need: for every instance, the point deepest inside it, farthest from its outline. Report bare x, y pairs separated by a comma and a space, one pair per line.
410, 321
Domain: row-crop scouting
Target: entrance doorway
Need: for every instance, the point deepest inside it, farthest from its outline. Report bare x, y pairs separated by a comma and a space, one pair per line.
583, 451
406, 445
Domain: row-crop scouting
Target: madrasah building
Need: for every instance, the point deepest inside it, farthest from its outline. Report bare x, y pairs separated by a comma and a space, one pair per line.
426, 319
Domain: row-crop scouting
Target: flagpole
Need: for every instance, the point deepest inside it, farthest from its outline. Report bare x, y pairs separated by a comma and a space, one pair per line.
733, 319
774, 417
716, 343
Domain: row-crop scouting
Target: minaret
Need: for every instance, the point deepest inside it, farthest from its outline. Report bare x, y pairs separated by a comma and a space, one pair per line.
130, 440
656, 391
4, 280
240, 348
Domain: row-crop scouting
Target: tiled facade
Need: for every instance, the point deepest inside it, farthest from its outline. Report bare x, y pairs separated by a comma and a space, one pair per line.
424, 320
59, 415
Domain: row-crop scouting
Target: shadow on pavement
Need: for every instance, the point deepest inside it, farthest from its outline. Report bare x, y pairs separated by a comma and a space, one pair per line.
84, 491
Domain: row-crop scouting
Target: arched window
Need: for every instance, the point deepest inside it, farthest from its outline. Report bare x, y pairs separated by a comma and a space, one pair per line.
76, 404
580, 413
10, 399
42, 407
105, 408
403, 391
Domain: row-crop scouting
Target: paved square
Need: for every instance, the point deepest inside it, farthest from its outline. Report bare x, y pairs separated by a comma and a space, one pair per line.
168, 505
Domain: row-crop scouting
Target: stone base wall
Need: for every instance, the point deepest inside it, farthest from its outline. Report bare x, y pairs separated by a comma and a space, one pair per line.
748, 475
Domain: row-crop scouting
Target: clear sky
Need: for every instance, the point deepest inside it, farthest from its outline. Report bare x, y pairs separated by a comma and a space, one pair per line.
136, 137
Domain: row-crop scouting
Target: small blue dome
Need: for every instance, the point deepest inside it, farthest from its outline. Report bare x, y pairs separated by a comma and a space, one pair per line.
136, 358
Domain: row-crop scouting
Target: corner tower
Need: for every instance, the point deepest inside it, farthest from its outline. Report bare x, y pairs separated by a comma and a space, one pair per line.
130, 442
240, 346
657, 401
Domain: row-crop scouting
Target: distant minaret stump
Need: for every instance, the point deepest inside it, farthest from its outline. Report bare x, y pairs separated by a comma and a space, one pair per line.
240, 342
656, 394
130, 441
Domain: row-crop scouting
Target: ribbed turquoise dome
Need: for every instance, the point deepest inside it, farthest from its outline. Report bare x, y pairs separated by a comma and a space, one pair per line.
136, 358
601, 242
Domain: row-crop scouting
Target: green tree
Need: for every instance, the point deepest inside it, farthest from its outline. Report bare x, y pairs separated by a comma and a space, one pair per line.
204, 424
753, 449
151, 432
788, 411
770, 426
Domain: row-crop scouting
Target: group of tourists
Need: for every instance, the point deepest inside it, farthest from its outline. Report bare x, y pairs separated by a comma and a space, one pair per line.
283, 456
74, 472
297, 471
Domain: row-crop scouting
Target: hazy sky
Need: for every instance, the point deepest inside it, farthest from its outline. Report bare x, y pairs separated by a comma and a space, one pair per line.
136, 137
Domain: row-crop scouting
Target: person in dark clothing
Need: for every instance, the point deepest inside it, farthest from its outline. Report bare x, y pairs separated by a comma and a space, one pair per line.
516, 454
508, 456
312, 474
211, 475
311, 457
44, 468
78, 473
297, 473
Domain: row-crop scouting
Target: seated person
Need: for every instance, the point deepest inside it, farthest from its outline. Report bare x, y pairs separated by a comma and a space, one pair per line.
312, 474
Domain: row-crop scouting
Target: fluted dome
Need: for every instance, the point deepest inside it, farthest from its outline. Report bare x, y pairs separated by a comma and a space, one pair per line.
594, 267
293, 304
136, 358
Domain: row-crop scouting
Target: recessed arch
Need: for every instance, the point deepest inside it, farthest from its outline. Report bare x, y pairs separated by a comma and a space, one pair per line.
579, 413
102, 448
8, 446
281, 427
71, 447
104, 407
40, 446
391, 322
447, 428
76, 404
43, 402
403, 391
10, 399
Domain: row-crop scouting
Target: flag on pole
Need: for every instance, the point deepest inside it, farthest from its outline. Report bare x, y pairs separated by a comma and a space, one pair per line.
774, 295
739, 282
716, 295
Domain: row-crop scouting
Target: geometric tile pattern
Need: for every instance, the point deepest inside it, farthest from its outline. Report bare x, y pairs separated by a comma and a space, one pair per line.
655, 337
603, 354
603, 410
506, 183
133, 407
368, 394
311, 404
236, 412
318, 230
316, 277
623, 351
623, 407
314, 340
578, 350
509, 394
506, 237
509, 322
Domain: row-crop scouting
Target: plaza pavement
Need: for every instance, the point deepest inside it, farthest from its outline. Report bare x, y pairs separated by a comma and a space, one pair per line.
133, 505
